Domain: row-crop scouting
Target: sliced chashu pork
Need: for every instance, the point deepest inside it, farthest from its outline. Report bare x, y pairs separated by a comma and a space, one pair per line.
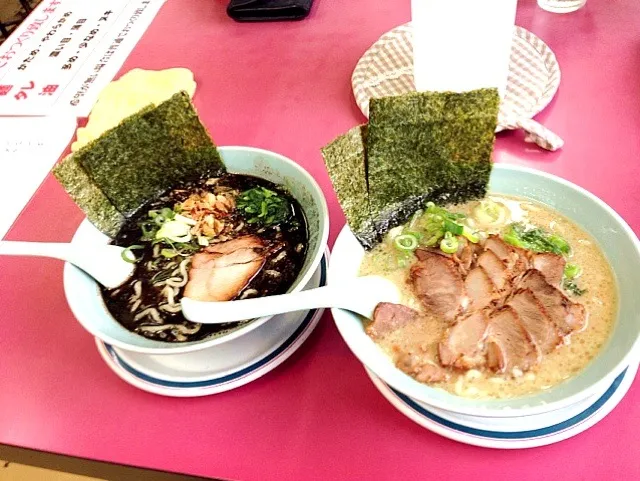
535, 320
479, 288
438, 284
387, 317
515, 259
463, 344
551, 265
565, 314
464, 256
421, 367
225, 269
498, 247
508, 345
495, 269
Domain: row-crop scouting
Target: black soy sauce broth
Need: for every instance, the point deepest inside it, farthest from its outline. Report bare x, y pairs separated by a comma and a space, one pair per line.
292, 234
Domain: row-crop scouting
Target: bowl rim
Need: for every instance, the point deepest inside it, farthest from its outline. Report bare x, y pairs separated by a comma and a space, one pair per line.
469, 406
70, 273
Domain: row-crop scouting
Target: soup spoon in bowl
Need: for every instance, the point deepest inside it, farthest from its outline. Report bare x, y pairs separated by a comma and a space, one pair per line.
361, 295
105, 263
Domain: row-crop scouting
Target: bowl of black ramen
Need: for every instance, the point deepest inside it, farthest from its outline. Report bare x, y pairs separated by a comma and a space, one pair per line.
256, 230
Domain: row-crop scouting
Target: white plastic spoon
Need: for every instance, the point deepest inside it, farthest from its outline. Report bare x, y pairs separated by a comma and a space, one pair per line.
361, 296
102, 262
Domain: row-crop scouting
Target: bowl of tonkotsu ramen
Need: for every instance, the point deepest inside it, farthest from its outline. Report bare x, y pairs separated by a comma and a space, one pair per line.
518, 303
258, 229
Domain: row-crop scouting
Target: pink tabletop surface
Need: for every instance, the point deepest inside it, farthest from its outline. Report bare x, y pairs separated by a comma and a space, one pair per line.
286, 87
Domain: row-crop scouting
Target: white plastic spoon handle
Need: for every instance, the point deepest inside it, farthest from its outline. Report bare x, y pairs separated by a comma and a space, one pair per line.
102, 262
57, 250
361, 296
221, 312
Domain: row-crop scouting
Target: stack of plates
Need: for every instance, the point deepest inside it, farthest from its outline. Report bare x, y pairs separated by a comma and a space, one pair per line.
221, 367
512, 432
386, 69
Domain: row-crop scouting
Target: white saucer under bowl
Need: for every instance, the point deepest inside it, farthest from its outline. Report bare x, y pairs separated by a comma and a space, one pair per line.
219, 368
512, 433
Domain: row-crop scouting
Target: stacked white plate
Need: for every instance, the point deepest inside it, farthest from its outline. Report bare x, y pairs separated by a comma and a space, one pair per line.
221, 367
512, 432
386, 69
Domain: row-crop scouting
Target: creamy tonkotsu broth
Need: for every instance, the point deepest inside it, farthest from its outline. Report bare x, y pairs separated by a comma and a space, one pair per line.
563, 362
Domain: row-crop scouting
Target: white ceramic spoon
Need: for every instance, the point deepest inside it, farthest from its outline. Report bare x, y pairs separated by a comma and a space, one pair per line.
360, 296
102, 262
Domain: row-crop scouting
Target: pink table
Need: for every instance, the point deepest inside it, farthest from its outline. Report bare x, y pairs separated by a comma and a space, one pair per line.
286, 87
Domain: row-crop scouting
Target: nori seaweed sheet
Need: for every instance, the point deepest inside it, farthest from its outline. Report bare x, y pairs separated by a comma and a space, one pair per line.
428, 146
149, 152
418, 147
146, 154
99, 210
345, 159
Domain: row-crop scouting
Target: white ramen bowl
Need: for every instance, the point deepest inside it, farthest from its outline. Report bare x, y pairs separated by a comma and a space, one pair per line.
83, 292
622, 250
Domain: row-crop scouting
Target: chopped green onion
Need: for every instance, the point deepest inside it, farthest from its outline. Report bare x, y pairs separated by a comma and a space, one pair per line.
444, 213
406, 242
561, 244
433, 240
167, 213
186, 247
454, 228
434, 223
571, 271
470, 235
146, 231
573, 288
513, 240
128, 255
156, 220
449, 244
169, 253
185, 220
418, 235
535, 239
263, 206
175, 231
